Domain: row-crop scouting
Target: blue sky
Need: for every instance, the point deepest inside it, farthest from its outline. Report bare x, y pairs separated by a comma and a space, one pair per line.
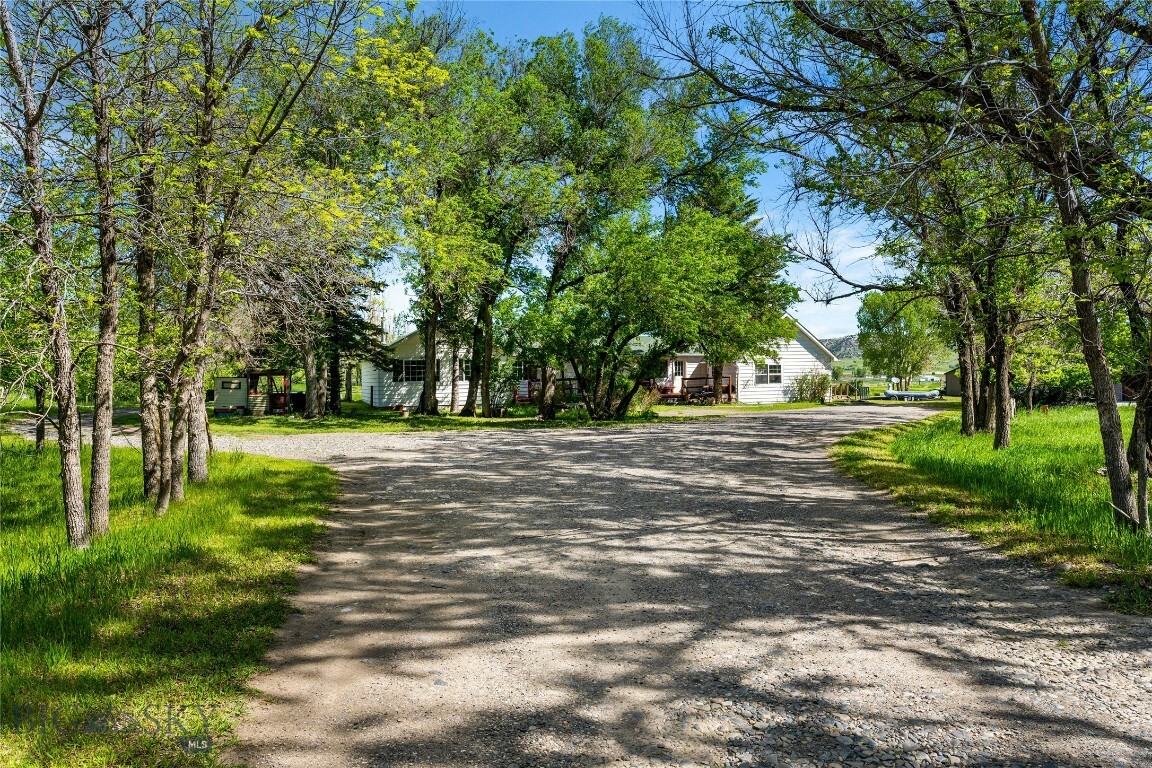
510, 20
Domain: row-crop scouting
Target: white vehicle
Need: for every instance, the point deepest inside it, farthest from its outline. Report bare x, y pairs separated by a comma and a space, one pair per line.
895, 394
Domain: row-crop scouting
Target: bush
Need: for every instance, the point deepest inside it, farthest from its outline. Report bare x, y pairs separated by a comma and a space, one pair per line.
644, 403
810, 387
1064, 386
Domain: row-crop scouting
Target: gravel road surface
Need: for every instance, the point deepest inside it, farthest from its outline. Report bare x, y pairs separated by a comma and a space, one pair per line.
693, 594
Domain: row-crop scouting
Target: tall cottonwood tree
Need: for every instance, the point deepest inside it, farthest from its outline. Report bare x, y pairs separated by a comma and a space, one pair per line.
98, 91
898, 334
38, 53
602, 129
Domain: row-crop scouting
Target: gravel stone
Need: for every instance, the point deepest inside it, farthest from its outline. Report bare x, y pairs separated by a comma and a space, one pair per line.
709, 593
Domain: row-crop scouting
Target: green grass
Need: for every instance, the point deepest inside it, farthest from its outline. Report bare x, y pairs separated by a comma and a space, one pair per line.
723, 408
358, 417
940, 403
1041, 498
164, 611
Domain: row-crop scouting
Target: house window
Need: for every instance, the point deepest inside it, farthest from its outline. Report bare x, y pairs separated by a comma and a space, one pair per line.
409, 370
230, 385
770, 373
465, 369
677, 367
523, 372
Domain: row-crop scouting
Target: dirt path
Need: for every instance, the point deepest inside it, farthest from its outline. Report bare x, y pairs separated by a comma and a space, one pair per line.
701, 594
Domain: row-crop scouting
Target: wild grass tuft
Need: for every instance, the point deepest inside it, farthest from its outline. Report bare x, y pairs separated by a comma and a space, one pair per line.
1042, 497
162, 612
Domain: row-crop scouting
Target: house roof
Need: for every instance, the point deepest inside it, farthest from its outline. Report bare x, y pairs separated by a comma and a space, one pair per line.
397, 342
812, 337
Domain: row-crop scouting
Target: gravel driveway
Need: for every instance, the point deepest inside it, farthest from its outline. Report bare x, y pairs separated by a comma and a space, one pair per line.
695, 594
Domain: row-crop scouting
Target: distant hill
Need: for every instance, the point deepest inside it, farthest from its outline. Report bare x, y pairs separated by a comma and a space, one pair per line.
844, 347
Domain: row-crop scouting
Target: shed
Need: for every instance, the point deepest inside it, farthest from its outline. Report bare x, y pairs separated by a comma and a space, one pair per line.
952, 383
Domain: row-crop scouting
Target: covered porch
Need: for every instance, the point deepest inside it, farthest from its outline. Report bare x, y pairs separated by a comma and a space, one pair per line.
688, 379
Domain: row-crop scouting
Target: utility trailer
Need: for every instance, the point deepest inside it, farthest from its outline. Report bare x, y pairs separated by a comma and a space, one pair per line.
244, 396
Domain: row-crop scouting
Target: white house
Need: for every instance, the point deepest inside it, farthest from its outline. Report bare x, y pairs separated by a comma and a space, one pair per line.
403, 386
748, 381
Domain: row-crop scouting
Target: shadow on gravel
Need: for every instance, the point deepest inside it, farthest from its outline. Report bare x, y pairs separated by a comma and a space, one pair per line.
704, 594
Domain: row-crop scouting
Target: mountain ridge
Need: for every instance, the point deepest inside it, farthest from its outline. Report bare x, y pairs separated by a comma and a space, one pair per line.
843, 347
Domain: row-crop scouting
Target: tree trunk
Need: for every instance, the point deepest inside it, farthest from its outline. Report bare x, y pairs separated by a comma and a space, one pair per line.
486, 369
334, 366
1092, 346
1030, 391
312, 397
150, 438
198, 441
164, 456
968, 396
182, 405
1073, 230
35, 196
146, 332
1140, 416
1141, 435
1002, 437
717, 382
474, 370
429, 405
985, 392
454, 400
548, 405
41, 417
348, 370
64, 381
100, 483
68, 435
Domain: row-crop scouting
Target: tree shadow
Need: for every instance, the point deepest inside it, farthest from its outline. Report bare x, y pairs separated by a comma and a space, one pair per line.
695, 594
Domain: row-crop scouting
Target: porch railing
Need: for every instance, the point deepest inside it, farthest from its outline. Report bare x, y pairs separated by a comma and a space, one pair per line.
696, 389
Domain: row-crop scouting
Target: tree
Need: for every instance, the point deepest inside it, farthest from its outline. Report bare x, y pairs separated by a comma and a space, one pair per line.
601, 129
651, 288
35, 61
897, 335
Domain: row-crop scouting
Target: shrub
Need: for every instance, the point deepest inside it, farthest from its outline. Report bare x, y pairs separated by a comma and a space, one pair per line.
810, 387
644, 403
1066, 385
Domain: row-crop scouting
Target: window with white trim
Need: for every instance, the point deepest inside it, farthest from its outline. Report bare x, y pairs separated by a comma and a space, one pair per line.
769, 373
409, 370
677, 367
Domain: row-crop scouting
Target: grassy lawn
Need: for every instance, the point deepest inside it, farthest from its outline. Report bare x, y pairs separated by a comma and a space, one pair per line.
721, 409
358, 417
101, 648
1041, 498
942, 403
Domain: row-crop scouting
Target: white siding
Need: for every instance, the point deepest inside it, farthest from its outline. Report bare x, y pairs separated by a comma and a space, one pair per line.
380, 391
797, 357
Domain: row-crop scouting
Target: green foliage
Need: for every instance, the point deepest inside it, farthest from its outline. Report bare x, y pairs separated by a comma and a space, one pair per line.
171, 610
648, 290
809, 387
1067, 384
897, 334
